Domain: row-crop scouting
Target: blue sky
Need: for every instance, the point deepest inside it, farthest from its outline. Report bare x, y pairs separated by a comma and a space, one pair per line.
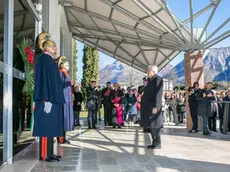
181, 9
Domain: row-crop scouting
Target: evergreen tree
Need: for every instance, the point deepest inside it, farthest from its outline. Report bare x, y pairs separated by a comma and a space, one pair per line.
75, 61
87, 73
95, 68
90, 68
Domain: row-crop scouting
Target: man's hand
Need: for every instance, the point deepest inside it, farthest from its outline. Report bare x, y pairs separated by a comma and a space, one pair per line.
48, 107
130, 104
78, 103
154, 111
204, 95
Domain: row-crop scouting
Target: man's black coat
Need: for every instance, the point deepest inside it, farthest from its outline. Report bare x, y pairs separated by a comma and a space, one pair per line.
153, 99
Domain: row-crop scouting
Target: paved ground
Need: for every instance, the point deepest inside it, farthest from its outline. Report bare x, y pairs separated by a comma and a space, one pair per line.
124, 150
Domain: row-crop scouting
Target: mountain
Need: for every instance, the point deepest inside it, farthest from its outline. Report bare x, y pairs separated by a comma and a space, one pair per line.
121, 73
166, 69
216, 66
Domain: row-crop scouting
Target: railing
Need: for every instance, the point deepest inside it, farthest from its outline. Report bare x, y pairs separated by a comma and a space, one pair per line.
226, 111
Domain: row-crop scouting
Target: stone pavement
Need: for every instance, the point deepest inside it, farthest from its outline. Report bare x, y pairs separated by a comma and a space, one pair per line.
124, 150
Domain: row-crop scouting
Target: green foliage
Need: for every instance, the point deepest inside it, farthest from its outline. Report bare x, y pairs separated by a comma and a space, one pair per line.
90, 68
29, 74
75, 60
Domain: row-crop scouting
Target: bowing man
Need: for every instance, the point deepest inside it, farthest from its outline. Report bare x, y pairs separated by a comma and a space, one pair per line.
49, 99
68, 117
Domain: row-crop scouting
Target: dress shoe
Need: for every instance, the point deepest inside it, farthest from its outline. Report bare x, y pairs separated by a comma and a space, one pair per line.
52, 159
94, 127
57, 156
154, 146
207, 133
79, 125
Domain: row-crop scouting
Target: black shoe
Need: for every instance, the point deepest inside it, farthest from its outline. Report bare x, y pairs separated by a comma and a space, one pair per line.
151, 146
190, 131
52, 159
79, 125
119, 126
207, 133
94, 127
89, 127
196, 131
57, 156
114, 126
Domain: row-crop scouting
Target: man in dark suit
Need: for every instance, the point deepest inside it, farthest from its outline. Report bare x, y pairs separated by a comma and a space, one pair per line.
107, 104
152, 106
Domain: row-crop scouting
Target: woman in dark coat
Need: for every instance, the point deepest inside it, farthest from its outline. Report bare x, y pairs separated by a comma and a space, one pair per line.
77, 105
116, 97
68, 94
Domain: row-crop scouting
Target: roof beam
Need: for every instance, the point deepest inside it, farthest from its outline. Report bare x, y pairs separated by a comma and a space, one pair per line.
198, 13
217, 30
16, 13
171, 35
176, 23
162, 63
217, 39
156, 57
209, 19
134, 58
126, 36
33, 10
110, 53
114, 22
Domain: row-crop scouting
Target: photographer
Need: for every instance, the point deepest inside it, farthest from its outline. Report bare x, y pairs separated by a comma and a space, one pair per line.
193, 104
205, 96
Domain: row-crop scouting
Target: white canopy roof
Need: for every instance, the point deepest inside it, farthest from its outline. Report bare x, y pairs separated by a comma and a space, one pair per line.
136, 32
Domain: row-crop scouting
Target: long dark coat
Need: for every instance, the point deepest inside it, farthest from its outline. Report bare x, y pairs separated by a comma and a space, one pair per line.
49, 88
68, 106
153, 99
77, 98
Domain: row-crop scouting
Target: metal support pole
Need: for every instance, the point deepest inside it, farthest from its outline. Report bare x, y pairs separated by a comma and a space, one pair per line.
38, 23
7, 81
225, 120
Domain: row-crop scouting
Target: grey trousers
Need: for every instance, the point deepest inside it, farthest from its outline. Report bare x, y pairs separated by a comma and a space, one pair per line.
155, 134
76, 117
92, 118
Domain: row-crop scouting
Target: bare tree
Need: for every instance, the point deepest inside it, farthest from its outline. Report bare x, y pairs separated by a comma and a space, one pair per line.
130, 76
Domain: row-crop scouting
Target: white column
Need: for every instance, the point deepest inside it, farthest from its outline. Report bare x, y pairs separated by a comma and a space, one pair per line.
54, 22
7, 86
38, 24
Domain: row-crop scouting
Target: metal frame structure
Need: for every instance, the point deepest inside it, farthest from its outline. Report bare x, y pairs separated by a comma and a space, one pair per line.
124, 27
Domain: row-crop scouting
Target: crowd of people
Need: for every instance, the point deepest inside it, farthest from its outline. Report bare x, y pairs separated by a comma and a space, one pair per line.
207, 104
